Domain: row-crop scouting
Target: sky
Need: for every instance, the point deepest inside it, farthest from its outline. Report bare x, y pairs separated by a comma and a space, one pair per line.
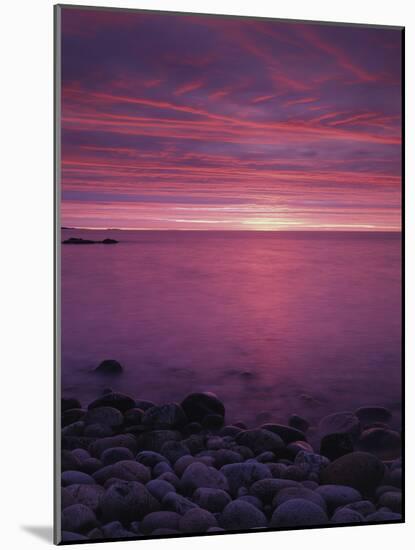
211, 123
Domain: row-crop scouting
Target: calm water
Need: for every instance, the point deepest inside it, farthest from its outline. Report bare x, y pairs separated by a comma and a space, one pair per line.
273, 323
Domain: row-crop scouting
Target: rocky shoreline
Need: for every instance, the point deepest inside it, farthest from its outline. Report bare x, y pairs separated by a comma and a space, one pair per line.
131, 468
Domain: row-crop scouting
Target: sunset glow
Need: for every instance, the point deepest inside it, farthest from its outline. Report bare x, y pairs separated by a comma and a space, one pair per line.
211, 123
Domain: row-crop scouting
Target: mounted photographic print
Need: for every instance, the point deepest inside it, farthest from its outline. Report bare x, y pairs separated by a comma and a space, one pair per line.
228, 274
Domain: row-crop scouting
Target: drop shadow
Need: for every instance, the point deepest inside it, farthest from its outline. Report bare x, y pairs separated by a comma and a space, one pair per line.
43, 532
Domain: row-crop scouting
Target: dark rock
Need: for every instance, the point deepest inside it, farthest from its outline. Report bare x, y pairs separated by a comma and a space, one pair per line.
311, 464
369, 415
133, 416
173, 450
255, 501
68, 536
346, 515
96, 534
213, 500
198, 405
298, 423
127, 470
232, 431
109, 241
177, 503
362, 471
199, 475
336, 445
166, 416
74, 429
78, 518
193, 428
81, 454
212, 422
161, 468
89, 495
343, 422
242, 515
291, 493
154, 440
244, 475
127, 501
124, 440
184, 461
150, 458
338, 495
98, 431
260, 440
267, 456
197, 520
364, 507
91, 465
392, 500
76, 442
70, 403
107, 416
396, 477
70, 416
195, 443
69, 461
385, 444
295, 473
117, 400
116, 454
171, 478
159, 487
297, 447
298, 512
115, 530
143, 404
67, 498
384, 516
266, 489
71, 477
244, 451
160, 520
109, 366
287, 433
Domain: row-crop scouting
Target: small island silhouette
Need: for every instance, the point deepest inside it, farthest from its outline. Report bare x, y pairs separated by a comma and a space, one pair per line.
78, 240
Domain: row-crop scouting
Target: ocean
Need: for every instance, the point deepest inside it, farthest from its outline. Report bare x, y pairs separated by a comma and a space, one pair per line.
274, 323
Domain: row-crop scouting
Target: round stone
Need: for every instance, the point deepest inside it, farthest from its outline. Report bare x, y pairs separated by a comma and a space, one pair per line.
239, 514
298, 512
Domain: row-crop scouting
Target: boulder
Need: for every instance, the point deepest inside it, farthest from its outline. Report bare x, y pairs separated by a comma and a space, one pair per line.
238, 515
169, 416
116, 454
259, 440
155, 439
384, 443
150, 458
363, 471
97, 447
199, 475
127, 470
266, 489
89, 495
244, 474
70, 403
290, 493
133, 417
364, 507
74, 477
336, 445
370, 415
298, 512
197, 520
346, 515
119, 401
159, 487
177, 503
106, 416
382, 516
127, 501
173, 450
109, 366
298, 423
160, 520
213, 500
198, 405
287, 433
392, 500
78, 518
340, 423
338, 495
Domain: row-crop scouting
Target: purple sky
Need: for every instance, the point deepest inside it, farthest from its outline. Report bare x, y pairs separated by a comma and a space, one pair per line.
201, 122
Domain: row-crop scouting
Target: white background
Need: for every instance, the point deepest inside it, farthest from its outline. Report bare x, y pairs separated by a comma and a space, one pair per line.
26, 304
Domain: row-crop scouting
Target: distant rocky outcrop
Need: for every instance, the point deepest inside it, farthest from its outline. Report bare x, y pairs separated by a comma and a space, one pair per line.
77, 240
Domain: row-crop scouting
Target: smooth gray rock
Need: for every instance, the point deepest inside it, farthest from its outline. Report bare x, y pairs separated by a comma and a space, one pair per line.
197, 520
346, 515
116, 454
89, 495
242, 515
177, 503
199, 475
198, 405
213, 500
170, 415
364, 507
74, 477
291, 493
150, 458
160, 520
78, 518
298, 512
159, 487
127, 501
260, 440
127, 470
107, 416
342, 422
363, 471
338, 495
244, 474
